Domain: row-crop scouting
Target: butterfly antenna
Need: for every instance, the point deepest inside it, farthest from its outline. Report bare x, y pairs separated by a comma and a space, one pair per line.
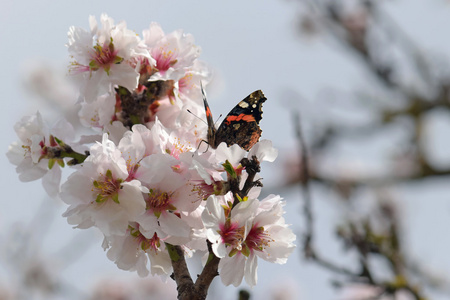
196, 116
215, 123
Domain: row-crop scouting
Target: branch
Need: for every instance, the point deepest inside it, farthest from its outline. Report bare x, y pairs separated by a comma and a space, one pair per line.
208, 274
252, 167
185, 285
365, 243
186, 288
308, 247
307, 209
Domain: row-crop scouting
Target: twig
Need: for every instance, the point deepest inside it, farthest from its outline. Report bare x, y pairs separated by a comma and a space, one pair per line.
307, 209
360, 242
308, 247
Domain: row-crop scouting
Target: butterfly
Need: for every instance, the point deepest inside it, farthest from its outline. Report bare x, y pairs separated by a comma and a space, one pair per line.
240, 126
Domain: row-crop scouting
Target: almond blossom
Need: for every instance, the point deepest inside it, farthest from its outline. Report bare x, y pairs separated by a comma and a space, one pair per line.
263, 150
99, 193
31, 154
134, 251
105, 56
240, 234
99, 113
169, 195
146, 176
173, 52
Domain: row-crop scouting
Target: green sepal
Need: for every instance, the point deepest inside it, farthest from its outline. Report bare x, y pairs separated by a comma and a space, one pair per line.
240, 199
60, 142
60, 163
133, 231
233, 252
157, 214
145, 245
115, 198
93, 66
78, 158
117, 60
100, 199
107, 69
229, 169
51, 163
227, 206
174, 256
245, 250
122, 91
109, 174
111, 44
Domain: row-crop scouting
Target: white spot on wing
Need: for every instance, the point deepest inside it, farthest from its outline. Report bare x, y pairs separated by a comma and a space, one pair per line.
243, 104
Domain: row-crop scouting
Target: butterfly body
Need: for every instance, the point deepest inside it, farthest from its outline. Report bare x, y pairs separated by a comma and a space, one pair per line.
240, 126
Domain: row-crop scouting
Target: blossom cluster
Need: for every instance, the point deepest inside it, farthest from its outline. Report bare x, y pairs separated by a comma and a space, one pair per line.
145, 177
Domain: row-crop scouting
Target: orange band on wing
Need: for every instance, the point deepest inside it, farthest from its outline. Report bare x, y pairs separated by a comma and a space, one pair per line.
208, 112
243, 117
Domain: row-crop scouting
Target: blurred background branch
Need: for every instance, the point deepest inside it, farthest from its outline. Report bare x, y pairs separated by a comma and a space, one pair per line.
408, 86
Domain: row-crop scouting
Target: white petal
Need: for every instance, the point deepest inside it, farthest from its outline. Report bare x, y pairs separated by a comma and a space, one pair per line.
213, 212
232, 269
264, 151
233, 154
174, 226
131, 198
51, 181
124, 75
251, 267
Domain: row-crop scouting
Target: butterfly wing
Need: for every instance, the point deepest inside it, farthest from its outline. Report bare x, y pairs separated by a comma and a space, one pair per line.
241, 125
211, 134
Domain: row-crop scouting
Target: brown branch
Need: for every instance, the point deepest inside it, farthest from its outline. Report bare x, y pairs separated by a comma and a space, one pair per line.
135, 106
252, 167
308, 247
360, 237
307, 209
185, 285
186, 288
209, 272
365, 242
